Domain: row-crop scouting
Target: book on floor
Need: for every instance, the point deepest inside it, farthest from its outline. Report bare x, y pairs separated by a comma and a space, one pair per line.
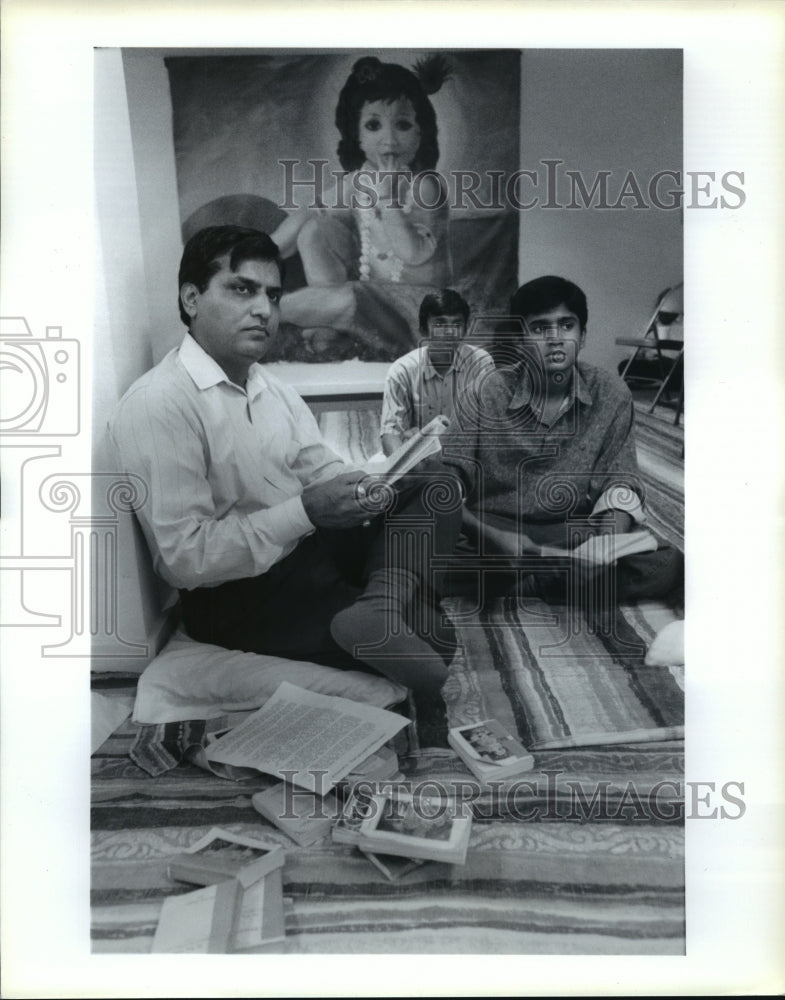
489, 750
198, 922
303, 816
225, 917
434, 828
346, 830
259, 916
220, 855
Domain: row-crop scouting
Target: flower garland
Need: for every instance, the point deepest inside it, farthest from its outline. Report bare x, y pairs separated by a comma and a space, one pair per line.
367, 249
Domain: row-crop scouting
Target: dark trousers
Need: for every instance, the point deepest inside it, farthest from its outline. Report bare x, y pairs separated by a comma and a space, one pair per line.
287, 611
284, 612
657, 575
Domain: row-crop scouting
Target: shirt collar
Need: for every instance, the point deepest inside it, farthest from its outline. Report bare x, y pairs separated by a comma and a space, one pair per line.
522, 395
206, 372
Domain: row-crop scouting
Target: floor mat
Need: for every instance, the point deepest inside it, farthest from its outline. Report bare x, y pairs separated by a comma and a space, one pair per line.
544, 673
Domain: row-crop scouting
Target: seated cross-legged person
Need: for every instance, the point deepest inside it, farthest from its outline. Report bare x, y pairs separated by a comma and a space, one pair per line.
547, 454
427, 381
267, 534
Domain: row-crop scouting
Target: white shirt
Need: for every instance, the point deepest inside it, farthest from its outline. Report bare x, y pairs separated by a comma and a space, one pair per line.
224, 467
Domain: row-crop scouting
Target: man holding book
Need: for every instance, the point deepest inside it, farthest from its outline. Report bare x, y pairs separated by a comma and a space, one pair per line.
268, 535
547, 454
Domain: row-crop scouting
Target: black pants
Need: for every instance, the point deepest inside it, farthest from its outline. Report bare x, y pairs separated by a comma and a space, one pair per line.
657, 575
287, 611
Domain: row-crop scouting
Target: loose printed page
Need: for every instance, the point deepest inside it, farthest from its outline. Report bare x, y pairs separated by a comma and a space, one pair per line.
310, 739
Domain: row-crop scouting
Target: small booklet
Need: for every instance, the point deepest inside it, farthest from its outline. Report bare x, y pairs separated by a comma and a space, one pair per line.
356, 809
489, 751
303, 816
433, 828
419, 446
221, 854
312, 740
224, 918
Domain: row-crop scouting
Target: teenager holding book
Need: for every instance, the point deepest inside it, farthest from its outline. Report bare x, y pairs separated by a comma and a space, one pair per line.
267, 534
547, 452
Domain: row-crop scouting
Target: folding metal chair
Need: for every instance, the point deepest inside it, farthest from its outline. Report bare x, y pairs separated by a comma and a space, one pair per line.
669, 354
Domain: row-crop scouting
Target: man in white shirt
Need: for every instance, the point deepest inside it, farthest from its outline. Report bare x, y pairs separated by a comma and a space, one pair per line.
243, 490
432, 378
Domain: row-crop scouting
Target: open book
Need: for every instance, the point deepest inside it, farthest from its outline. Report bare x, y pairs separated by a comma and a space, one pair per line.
602, 550
221, 855
224, 917
421, 445
240, 908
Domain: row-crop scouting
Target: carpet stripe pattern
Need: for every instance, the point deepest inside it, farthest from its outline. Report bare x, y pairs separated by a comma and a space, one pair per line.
582, 855
559, 685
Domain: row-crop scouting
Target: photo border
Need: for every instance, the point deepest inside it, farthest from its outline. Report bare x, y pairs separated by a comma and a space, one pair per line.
734, 118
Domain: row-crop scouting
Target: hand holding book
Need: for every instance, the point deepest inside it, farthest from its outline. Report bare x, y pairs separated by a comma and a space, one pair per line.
353, 497
421, 445
600, 549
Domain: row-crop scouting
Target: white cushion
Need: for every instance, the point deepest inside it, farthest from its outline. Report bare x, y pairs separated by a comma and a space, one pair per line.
194, 680
667, 649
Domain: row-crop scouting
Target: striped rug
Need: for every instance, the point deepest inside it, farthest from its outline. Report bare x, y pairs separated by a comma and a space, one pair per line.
544, 673
584, 855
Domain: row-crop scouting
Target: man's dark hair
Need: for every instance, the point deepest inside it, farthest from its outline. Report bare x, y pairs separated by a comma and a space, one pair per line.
549, 292
447, 302
203, 252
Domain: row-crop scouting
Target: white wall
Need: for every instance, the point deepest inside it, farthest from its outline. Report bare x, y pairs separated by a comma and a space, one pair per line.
603, 109
128, 311
150, 120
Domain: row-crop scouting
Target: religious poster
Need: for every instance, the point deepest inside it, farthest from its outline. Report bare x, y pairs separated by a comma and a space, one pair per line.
368, 220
